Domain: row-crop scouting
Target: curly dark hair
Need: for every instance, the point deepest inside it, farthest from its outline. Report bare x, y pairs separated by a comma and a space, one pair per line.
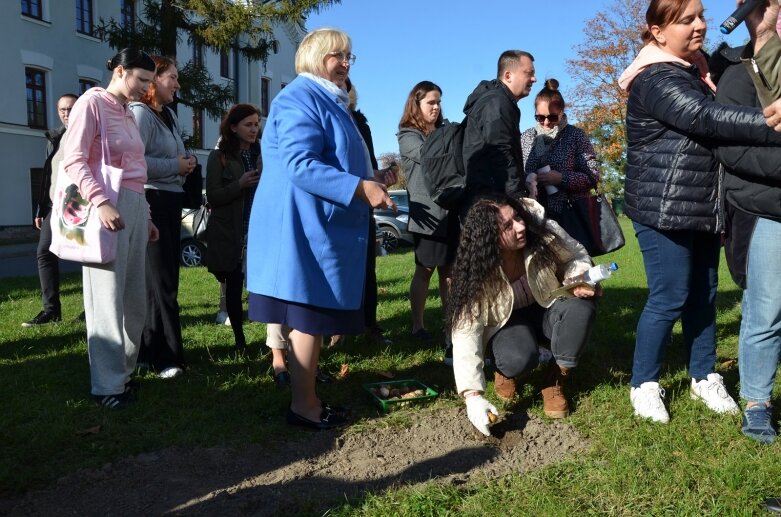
476, 272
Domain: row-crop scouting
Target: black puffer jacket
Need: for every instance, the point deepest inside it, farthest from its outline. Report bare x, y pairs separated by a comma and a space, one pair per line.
492, 141
752, 180
672, 124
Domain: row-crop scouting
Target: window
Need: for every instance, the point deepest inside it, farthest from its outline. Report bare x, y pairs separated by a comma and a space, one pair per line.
127, 15
225, 64
32, 8
265, 87
198, 54
84, 22
36, 97
198, 128
86, 84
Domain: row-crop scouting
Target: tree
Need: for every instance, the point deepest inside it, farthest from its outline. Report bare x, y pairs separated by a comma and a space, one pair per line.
612, 42
243, 26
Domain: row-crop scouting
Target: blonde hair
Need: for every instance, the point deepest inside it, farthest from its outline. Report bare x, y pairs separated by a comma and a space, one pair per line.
311, 53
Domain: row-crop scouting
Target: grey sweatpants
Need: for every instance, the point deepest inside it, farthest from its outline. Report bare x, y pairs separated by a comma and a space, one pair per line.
115, 301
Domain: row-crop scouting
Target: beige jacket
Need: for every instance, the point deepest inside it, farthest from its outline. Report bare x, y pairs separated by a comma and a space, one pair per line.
488, 316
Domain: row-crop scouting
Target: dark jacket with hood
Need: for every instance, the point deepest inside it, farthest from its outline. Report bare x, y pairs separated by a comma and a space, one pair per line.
752, 182
53, 137
672, 125
492, 141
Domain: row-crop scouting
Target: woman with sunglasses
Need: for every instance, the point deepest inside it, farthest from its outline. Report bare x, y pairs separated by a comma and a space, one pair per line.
559, 160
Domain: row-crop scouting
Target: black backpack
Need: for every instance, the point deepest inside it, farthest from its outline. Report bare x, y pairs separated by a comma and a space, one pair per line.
442, 162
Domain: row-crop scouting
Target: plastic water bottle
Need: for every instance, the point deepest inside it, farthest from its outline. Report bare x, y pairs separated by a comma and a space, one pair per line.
596, 274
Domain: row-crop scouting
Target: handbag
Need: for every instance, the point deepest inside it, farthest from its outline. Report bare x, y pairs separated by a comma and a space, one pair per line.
77, 232
592, 222
193, 189
201, 221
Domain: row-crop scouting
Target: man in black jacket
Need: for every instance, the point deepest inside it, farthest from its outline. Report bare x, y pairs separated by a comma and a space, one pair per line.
48, 265
492, 140
752, 202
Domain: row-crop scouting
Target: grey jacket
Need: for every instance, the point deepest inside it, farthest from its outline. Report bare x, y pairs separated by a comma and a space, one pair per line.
425, 216
163, 147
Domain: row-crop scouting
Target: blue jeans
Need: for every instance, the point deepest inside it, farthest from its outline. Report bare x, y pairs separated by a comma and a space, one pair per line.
681, 267
760, 329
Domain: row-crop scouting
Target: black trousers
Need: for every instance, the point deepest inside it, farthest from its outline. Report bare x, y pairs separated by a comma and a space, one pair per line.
48, 269
234, 290
370, 286
567, 324
161, 341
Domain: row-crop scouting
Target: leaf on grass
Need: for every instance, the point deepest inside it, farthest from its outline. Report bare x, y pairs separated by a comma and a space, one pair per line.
387, 375
729, 363
89, 430
382, 290
343, 371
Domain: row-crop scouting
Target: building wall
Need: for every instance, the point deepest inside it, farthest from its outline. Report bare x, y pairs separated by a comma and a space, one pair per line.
53, 45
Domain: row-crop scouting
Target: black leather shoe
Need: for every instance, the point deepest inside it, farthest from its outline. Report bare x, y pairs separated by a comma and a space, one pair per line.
282, 380
327, 420
773, 504
340, 411
323, 377
43, 318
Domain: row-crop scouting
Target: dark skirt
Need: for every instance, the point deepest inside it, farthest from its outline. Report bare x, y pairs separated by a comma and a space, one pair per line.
317, 321
434, 251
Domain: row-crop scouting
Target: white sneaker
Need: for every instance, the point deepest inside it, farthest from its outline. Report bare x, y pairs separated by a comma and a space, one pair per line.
222, 318
711, 390
648, 401
171, 372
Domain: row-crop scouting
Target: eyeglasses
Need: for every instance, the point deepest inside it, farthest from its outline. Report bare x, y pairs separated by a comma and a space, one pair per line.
342, 56
552, 117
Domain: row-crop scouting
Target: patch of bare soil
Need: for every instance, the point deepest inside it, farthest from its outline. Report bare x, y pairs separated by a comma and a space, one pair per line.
309, 473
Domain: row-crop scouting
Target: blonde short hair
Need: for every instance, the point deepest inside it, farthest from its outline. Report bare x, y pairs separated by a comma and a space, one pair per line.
311, 53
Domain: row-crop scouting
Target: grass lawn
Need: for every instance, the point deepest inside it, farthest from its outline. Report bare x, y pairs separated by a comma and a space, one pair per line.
698, 464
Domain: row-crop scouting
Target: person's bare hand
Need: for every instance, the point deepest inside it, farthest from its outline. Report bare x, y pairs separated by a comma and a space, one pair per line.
773, 115
386, 176
187, 164
154, 233
38, 221
249, 179
549, 178
761, 22
375, 195
110, 218
587, 291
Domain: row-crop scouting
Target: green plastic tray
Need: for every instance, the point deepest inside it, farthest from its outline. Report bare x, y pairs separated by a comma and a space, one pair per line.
389, 405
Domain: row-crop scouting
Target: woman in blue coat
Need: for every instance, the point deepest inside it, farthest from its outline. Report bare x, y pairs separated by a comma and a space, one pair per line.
310, 218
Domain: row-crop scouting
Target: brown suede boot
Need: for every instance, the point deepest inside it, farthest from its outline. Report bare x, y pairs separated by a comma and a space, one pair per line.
504, 387
554, 402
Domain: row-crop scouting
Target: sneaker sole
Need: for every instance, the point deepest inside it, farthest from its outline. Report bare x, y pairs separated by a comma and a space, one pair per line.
652, 419
556, 414
725, 411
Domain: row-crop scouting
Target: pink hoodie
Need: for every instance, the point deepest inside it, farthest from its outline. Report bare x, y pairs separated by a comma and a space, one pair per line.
83, 150
651, 54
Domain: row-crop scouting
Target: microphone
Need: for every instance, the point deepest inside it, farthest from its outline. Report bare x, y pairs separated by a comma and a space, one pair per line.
738, 16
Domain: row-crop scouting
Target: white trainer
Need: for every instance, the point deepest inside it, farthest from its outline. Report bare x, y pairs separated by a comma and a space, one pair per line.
171, 372
648, 401
222, 318
712, 391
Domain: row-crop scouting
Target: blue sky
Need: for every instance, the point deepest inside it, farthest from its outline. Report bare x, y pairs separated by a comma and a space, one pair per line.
456, 43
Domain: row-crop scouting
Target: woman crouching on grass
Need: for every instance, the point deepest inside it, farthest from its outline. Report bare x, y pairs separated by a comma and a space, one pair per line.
509, 261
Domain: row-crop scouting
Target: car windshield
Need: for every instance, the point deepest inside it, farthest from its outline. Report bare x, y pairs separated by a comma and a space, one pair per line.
400, 199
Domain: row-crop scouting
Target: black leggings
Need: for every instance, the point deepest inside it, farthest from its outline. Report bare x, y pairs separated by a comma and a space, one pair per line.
234, 288
567, 323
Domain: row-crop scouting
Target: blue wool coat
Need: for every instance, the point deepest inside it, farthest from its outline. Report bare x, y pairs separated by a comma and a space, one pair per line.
307, 233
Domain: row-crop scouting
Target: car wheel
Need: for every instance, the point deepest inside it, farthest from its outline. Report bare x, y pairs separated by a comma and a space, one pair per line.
193, 253
390, 238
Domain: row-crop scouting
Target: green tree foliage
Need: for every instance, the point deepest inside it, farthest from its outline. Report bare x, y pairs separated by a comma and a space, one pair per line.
243, 26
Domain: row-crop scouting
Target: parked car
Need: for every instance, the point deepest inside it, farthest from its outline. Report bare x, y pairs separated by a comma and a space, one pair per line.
192, 251
392, 226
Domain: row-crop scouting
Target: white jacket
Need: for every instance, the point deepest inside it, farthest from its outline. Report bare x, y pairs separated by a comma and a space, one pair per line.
471, 335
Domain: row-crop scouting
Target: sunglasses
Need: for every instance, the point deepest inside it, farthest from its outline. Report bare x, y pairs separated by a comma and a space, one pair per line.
552, 117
